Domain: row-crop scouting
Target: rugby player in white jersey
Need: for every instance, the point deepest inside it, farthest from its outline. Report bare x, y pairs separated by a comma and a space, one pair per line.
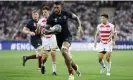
48, 41
107, 33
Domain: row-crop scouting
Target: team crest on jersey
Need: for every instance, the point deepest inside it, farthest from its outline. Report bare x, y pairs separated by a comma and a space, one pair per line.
64, 17
59, 17
55, 19
35, 24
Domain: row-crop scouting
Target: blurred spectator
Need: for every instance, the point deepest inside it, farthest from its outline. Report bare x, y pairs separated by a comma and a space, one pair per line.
13, 16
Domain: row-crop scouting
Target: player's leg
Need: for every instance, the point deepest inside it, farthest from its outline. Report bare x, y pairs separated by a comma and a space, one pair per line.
68, 59
53, 56
108, 56
101, 61
39, 61
44, 56
53, 46
35, 43
75, 67
67, 56
25, 58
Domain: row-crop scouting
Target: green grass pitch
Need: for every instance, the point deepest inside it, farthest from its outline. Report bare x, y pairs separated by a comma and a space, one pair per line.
11, 66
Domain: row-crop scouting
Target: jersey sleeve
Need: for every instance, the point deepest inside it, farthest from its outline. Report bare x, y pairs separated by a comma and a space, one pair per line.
39, 22
28, 25
97, 29
70, 15
113, 28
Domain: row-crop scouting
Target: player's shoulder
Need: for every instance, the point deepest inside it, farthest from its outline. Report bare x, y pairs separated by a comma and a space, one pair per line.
51, 15
65, 12
99, 25
112, 25
30, 22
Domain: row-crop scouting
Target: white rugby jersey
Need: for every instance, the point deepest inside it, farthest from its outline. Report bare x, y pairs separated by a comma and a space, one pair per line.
42, 23
106, 32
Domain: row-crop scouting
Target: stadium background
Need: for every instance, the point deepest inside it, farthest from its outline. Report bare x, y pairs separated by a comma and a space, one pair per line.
15, 14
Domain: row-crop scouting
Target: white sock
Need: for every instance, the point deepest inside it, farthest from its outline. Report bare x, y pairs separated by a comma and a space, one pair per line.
54, 67
102, 64
42, 64
108, 66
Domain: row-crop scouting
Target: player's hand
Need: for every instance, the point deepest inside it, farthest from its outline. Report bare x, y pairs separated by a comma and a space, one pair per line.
80, 30
113, 43
95, 45
32, 33
38, 30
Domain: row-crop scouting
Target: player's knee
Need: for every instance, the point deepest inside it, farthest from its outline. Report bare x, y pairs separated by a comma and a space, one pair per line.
100, 59
64, 51
107, 57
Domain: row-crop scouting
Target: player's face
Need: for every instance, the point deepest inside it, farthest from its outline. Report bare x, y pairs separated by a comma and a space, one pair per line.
45, 13
104, 20
35, 16
57, 9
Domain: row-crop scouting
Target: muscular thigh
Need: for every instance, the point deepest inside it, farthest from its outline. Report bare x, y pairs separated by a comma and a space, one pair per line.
108, 54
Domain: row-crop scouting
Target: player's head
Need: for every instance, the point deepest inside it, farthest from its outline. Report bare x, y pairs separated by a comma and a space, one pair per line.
104, 18
45, 11
35, 15
57, 7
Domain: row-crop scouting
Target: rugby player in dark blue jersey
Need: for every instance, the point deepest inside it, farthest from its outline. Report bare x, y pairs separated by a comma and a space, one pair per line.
60, 17
35, 40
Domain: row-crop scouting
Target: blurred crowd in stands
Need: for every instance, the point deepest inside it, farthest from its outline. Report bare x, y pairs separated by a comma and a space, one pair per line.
14, 15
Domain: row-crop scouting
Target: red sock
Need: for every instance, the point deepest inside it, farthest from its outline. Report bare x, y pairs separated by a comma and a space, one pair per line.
39, 61
70, 71
74, 66
31, 57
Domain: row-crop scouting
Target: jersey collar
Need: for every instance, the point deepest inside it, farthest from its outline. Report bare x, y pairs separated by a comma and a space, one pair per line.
106, 24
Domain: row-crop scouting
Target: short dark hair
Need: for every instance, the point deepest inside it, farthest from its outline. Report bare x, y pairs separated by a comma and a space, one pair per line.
105, 15
45, 8
58, 3
35, 11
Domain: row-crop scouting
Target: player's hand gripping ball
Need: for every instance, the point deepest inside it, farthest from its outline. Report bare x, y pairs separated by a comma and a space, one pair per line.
56, 28
38, 31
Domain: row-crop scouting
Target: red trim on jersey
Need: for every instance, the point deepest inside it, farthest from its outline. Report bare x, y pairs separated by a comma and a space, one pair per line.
105, 35
43, 20
48, 36
106, 41
107, 26
105, 31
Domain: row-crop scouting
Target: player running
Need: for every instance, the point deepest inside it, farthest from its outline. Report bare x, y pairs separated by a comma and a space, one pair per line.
64, 37
48, 40
34, 39
107, 33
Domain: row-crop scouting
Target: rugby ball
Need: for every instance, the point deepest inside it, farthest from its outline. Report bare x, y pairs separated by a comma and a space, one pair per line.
56, 28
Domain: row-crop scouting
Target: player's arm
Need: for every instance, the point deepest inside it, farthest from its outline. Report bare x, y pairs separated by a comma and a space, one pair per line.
39, 30
114, 37
76, 18
48, 26
96, 36
26, 30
